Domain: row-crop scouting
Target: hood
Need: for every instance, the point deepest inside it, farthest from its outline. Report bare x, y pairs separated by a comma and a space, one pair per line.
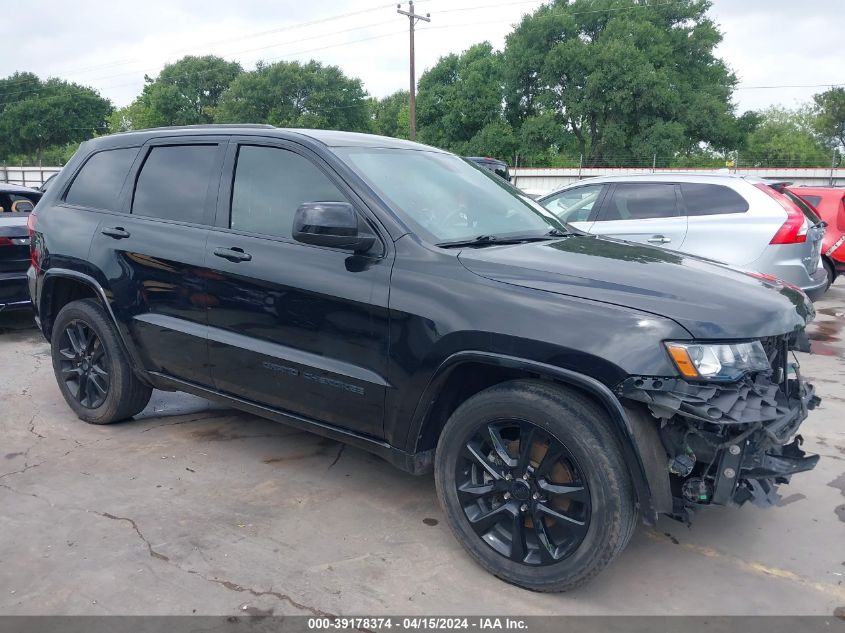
710, 300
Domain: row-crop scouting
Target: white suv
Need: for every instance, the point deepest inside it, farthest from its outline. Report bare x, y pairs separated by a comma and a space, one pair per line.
742, 221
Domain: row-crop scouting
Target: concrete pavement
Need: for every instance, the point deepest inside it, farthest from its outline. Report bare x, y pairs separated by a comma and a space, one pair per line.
197, 509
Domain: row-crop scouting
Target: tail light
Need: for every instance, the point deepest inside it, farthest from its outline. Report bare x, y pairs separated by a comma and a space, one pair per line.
794, 230
5, 241
34, 254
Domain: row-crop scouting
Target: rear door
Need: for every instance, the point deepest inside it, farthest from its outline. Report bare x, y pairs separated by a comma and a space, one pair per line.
295, 327
645, 212
577, 206
719, 224
153, 253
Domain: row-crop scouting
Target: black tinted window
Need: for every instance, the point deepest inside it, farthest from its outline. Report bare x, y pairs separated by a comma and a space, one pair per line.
712, 199
806, 209
813, 200
270, 184
174, 181
640, 202
100, 180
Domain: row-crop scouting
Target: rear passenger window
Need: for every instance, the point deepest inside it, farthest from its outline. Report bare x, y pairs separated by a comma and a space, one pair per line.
270, 184
712, 199
174, 181
98, 183
640, 201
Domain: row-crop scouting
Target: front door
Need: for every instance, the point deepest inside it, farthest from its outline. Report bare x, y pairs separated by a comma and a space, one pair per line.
299, 328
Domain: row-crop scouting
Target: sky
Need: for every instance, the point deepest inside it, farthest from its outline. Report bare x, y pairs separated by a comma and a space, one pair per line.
110, 46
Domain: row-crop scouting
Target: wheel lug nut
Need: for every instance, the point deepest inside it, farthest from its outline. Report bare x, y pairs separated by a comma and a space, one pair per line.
523, 508
507, 495
508, 477
525, 476
535, 496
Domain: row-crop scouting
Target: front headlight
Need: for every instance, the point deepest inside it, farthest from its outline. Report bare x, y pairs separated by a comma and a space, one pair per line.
720, 361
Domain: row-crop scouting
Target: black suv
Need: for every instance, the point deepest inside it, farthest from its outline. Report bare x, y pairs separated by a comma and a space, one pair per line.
398, 298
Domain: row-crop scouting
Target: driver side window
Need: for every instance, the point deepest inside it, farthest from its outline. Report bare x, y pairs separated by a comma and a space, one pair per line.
576, 204
270, 184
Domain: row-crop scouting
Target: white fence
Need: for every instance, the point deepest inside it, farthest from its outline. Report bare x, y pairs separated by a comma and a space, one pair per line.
26, 176
539, 180
542, 180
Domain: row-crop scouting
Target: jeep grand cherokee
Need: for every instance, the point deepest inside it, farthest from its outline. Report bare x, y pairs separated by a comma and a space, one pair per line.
398, 298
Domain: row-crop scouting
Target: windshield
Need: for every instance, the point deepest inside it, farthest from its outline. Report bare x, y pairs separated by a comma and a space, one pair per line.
447, 199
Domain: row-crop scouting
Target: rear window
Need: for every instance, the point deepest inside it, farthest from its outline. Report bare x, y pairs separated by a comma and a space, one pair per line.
100, 180
806, 209
174, 181
702, 199
813, 200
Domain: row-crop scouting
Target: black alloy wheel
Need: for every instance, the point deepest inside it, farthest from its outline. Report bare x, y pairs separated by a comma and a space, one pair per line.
523, 492
84, 364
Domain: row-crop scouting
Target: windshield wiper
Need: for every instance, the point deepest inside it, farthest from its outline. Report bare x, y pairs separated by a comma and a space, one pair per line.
489, 240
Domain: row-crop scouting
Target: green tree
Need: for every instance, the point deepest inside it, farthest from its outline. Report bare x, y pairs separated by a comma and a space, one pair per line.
459, 97
390, 114
46, 114
292, 94
829, 120
184, 93
627, 78
785, 138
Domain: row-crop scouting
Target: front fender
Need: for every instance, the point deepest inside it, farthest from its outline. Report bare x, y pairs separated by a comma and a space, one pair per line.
637, 438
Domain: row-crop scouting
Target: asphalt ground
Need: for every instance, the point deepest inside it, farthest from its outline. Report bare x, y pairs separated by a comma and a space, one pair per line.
195, 509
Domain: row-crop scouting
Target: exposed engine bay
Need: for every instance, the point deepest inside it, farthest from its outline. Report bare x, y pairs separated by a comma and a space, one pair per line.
731, 442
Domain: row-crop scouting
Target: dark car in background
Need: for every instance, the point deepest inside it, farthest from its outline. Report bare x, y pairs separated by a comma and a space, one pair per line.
560, 385
498, 167
16, 203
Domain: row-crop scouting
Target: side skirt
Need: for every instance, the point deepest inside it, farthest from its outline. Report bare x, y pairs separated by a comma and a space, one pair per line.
415, 463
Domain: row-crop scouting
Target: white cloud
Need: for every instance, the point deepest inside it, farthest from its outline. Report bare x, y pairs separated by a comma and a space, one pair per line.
111, 46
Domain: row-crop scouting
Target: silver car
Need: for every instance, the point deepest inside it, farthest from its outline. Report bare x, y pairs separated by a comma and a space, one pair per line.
745, 222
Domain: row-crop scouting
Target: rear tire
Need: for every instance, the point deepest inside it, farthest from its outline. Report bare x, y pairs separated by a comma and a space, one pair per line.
91, 368
831, 273
549, 532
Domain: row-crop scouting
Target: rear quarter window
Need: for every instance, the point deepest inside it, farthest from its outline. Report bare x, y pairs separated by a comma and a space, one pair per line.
705, 199
99, 182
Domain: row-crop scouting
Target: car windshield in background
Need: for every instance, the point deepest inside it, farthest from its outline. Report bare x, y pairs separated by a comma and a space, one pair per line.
16, 203
447, 199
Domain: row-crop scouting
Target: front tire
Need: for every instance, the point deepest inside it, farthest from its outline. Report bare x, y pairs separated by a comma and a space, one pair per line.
534, 485
91, 368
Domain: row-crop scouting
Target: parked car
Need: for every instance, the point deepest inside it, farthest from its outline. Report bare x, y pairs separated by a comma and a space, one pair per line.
829, 203
742, 221
498, 167
559, 384
15, 205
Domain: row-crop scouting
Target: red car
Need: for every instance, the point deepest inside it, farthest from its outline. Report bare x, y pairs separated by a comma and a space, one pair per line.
829, 203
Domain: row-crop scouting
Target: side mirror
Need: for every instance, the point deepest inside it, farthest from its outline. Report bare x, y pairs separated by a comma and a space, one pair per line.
333, 224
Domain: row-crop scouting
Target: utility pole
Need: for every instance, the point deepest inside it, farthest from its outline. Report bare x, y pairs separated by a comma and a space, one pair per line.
413, 18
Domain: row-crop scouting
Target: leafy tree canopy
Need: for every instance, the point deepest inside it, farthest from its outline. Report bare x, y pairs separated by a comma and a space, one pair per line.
36, 115
829, 120
390, 114
459, 97
785, 138
292, 94
626, 77
184, 93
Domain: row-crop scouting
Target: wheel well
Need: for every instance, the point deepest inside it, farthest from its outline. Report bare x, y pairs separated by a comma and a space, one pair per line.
60, 292
468, 379
829, 261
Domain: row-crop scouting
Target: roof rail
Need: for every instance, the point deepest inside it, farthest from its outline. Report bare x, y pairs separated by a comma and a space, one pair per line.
202, 126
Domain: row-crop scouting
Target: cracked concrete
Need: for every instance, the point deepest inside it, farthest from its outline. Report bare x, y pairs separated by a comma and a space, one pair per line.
191, 508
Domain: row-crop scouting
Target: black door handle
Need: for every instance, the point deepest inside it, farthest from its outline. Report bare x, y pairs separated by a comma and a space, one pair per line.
233, 254
117, 232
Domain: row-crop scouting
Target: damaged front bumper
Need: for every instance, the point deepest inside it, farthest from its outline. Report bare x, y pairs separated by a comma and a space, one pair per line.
728, 443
